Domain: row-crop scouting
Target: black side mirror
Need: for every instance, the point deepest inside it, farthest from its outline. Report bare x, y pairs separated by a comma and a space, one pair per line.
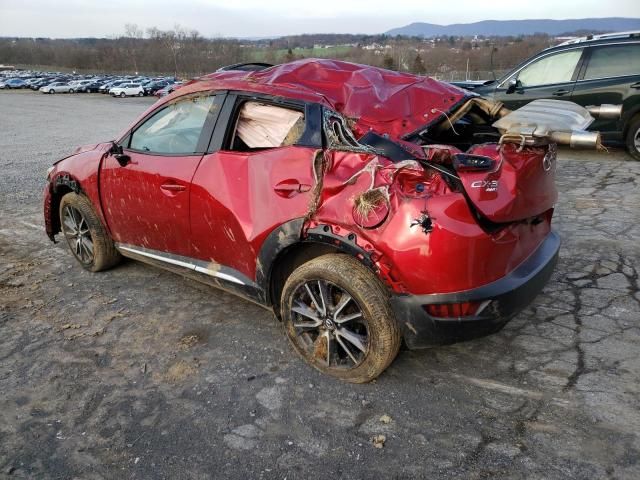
117, 152
513, 85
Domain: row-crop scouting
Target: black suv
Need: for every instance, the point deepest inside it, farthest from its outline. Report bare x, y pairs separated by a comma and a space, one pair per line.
588, 71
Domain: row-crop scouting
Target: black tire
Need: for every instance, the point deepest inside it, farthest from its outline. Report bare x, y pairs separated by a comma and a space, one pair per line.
122, 94
71, 90
52, 91
633, 138
140, 94
372, 321
104, 254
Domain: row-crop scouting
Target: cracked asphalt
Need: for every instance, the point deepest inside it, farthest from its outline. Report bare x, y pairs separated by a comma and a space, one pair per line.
139, 373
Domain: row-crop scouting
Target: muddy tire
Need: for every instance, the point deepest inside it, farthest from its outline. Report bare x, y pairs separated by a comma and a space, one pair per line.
87, 238
633, 138
337, 316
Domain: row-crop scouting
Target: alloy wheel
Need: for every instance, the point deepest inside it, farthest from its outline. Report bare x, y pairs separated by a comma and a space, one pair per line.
636, 140
76, 231
329, 325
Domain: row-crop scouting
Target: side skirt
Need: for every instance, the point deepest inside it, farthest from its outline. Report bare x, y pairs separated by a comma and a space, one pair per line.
210, 273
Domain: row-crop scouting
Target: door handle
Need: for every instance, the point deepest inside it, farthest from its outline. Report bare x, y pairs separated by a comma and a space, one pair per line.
635, 85
290, 187
173, 187
561, 92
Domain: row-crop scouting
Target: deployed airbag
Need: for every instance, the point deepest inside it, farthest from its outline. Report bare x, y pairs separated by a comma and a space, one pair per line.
265, 126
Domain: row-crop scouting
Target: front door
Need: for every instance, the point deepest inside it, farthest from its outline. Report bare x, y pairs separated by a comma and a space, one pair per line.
146, 196
550, 76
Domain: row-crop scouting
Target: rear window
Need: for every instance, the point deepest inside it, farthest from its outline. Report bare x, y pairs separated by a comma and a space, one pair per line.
614, 61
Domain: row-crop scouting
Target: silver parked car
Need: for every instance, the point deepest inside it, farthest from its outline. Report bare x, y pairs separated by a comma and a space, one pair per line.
56, 87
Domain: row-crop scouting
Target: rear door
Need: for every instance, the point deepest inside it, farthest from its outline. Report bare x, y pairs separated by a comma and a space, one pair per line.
258, 176
610, 74
551, 75
145, 197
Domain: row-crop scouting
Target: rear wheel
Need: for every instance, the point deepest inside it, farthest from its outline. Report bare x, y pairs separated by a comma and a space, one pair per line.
87, 238
71, 90
633, 138
140, 94
336, 315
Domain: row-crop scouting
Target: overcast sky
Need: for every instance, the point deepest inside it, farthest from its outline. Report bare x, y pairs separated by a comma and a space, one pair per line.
258, 18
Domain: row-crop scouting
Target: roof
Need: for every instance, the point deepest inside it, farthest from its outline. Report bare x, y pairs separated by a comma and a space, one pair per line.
603, 36
373, 98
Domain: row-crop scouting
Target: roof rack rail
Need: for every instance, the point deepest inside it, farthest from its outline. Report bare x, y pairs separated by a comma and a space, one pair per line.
247, 67
602, 36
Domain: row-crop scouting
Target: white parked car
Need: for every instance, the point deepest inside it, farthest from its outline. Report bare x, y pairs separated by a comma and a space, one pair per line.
56, 87
127, 89
76, 84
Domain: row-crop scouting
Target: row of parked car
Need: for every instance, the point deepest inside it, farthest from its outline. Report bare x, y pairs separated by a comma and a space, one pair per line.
116, 86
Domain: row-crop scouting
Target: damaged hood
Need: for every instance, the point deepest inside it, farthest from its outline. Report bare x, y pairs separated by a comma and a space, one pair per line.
372, 98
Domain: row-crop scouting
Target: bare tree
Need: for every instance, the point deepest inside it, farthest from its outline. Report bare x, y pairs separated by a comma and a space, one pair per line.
132, 36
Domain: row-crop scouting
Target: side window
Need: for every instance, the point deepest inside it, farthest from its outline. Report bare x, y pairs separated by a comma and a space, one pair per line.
613, 61
551, 69
260, 125
175, 129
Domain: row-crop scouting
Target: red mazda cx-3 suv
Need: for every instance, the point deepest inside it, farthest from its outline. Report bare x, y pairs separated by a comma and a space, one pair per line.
362, 206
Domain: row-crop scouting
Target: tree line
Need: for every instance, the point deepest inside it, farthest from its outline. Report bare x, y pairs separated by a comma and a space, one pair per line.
186, 53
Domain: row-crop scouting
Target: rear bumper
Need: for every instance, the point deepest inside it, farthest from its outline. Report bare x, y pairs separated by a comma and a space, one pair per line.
507, 296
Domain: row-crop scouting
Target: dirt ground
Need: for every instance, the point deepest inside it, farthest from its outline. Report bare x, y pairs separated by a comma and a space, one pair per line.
138, 373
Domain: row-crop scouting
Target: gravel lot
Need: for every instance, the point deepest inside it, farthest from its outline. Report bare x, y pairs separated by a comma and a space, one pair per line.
138, 373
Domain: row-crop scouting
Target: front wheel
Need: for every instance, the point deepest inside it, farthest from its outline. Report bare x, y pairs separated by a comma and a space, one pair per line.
337, 316
140, 94
633, 138
52, 91
122, 95
87, 238
71, 90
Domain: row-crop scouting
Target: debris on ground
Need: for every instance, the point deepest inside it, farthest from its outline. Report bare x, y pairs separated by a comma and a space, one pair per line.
188, 341
378, 441
385, 418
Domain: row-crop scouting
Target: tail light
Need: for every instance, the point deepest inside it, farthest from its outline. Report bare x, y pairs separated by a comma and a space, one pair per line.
453, 310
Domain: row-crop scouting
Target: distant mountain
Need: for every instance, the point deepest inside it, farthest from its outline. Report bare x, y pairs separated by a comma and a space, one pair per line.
518, 27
